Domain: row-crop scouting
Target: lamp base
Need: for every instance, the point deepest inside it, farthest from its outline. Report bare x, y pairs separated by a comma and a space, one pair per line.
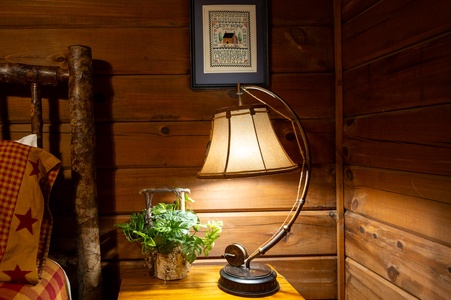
257, 281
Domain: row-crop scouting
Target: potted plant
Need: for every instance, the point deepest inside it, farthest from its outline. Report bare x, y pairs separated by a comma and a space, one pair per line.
171, 237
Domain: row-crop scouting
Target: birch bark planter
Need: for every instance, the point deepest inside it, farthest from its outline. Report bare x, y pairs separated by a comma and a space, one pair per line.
171, 266
164, 229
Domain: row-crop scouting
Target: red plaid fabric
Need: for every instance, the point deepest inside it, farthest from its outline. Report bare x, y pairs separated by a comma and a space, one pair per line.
53, 285
27, 175
13, 159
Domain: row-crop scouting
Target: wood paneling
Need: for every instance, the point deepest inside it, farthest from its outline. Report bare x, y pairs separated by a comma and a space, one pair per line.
388, 27
419, 185
416, 77
362, 283
396, 148
351, 8
397, 126
315, 277
115, 50
385, 140
169, 98
398, 156
312, 234
144, 144
296, 48
120, 192
152, 129
402, 258
294, 12
431, 217
136, 52
97, 13
143, 13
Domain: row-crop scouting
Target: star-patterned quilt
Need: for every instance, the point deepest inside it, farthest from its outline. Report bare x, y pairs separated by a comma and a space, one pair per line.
27, 175
53, 285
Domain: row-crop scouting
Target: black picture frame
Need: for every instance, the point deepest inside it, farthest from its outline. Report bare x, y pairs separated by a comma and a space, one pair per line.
249, 69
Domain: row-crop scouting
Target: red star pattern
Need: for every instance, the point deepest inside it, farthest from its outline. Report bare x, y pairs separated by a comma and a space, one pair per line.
36, 170
26, 221
17, 275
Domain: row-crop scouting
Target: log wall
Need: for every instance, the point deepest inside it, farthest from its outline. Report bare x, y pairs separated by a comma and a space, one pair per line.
152, 129
397, 175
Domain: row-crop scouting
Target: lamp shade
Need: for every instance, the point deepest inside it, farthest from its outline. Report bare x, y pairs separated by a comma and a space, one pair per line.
243, 143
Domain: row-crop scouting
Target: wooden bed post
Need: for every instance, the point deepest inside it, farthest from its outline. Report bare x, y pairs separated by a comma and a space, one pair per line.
83, 146
36, 112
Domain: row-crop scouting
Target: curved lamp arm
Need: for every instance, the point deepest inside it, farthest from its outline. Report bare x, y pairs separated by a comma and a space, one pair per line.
303, 181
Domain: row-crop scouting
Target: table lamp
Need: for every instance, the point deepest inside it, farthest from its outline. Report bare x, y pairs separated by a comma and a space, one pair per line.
243, 143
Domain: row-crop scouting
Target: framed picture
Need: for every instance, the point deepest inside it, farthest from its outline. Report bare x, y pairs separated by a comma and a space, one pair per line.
229, 43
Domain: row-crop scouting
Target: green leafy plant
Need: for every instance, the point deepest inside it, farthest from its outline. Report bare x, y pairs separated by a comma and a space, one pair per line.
168, 227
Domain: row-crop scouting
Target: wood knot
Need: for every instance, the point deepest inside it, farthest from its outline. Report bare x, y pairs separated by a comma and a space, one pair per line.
286, 237
392, 273
297, 37
57, 58
164, 130
400, 245
349, 175
361, 229
355, 204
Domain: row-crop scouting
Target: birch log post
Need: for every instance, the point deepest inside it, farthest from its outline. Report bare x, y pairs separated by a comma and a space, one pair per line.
83, 146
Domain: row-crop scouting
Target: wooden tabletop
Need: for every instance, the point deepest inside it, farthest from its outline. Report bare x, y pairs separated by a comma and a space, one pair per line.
201, 283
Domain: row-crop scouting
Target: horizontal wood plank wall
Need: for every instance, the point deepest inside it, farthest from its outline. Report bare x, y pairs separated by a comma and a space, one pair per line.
397, 148
152, 129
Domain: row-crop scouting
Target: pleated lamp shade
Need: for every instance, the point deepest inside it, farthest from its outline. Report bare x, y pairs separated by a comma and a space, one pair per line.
243, 143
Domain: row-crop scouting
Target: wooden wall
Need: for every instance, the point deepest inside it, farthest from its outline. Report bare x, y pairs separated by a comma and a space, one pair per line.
152, 129
397, 151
